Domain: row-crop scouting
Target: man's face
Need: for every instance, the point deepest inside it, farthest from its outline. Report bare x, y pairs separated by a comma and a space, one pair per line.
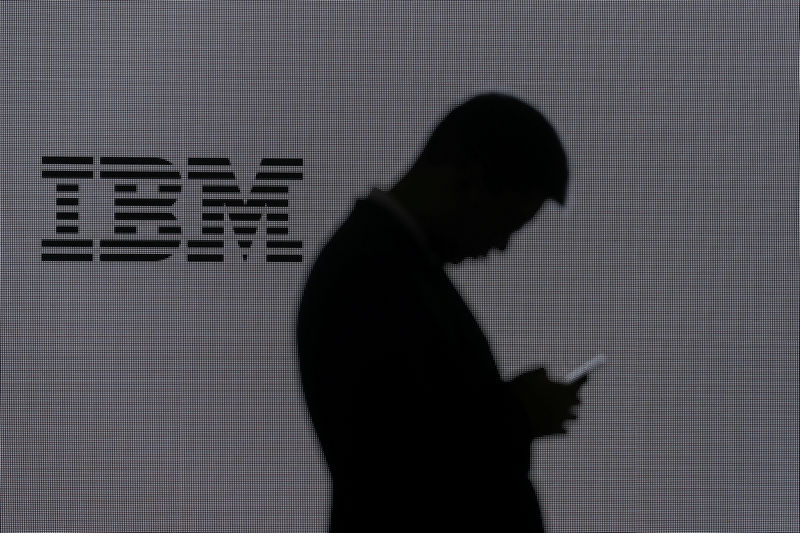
494, 219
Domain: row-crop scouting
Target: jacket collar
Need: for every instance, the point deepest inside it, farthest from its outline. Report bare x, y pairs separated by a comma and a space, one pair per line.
401, 215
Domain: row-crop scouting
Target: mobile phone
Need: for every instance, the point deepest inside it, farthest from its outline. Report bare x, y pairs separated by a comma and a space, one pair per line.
585, 368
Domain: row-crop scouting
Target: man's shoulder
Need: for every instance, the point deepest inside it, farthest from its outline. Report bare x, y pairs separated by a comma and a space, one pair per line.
366, 257
368, 244
363, 281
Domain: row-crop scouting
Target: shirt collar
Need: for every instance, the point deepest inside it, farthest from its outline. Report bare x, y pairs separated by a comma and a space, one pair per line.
407, 219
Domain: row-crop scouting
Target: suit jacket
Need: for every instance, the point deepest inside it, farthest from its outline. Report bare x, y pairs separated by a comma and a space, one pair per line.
418, 429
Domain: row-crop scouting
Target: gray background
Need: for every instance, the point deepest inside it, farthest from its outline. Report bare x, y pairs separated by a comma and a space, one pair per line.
164, 396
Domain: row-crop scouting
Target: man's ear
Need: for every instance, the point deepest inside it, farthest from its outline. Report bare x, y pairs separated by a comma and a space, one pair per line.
475, 194
470, 182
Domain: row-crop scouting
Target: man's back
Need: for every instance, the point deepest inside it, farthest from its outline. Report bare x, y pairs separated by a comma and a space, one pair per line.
417, 428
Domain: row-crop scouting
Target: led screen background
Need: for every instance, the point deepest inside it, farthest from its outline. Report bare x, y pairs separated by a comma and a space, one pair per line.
165, 396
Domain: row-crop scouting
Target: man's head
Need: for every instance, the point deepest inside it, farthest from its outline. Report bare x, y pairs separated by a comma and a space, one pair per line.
485, 171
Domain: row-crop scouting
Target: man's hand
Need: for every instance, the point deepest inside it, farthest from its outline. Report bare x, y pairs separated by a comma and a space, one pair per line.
549, 404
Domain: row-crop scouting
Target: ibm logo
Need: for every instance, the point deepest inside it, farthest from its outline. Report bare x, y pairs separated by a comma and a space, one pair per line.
134, 212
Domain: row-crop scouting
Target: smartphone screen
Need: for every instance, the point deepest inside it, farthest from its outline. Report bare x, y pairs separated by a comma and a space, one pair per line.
585, 368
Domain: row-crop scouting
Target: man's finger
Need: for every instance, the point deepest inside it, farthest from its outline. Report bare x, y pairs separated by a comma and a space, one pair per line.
578, 382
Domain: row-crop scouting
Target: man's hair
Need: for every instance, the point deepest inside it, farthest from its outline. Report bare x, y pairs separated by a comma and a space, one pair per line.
512, 144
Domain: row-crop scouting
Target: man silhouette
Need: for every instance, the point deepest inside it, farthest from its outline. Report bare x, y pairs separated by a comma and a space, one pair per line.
418, 429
